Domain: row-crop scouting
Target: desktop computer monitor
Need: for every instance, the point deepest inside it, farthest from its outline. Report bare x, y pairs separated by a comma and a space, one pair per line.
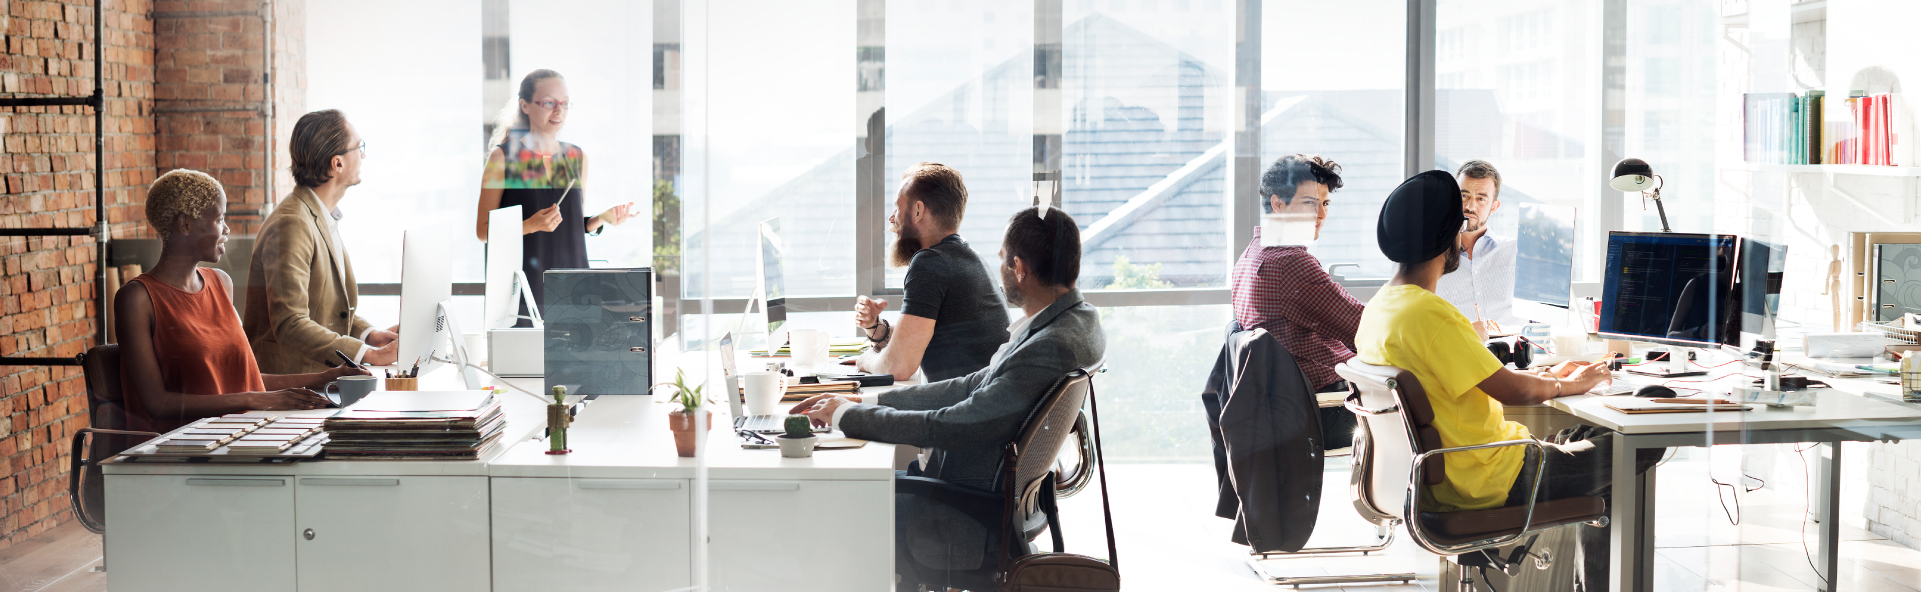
1760, 273
504, 258
772, 277
1544, 263
427, 331
1670, 288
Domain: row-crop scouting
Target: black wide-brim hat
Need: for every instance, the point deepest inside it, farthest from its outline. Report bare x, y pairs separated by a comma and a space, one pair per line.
1420, 218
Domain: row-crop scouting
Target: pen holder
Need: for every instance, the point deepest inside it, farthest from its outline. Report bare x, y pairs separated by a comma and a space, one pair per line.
403, 384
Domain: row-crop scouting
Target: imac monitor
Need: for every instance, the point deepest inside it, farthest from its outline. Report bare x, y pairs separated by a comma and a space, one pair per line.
1669, 288
772, 281
1761, 270
426, 285
1544, 262
504, 279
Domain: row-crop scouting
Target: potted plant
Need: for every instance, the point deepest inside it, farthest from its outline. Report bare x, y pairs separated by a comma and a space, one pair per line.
681, 419
799, 440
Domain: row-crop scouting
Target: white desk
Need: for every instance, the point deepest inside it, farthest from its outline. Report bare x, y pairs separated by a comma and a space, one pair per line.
614, 514
1835, 418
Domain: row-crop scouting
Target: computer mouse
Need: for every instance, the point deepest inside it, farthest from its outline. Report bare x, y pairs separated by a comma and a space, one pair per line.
1654, 391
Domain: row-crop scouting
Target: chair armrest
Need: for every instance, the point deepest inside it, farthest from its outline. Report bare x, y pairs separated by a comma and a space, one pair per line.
981, 505
1353, 403
1415, 490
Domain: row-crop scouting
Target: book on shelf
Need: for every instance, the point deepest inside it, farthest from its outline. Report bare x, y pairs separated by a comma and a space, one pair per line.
1795, 129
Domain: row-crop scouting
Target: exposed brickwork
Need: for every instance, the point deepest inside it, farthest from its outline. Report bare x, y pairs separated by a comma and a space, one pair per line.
47, 290
210, 113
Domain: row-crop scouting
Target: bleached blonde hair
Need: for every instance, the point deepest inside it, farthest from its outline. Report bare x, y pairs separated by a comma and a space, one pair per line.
181, 193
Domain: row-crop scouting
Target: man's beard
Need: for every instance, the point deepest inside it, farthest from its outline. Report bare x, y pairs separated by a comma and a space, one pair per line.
906, 245
1453, 258
1473, 224
1009, 289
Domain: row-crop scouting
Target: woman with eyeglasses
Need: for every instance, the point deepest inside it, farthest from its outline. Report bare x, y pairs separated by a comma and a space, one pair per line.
530, 167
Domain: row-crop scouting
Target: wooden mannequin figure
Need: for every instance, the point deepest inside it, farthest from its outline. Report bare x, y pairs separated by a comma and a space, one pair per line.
557, 422
1833, 287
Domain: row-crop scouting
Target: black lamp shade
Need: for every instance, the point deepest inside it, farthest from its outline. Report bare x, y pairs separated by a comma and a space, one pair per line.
1632, 175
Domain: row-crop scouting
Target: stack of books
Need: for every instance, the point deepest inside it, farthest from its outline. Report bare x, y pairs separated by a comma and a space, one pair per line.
463, 431
1789, 128
797, 392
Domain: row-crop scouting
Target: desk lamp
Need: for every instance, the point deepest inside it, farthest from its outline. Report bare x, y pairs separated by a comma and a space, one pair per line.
1634, 174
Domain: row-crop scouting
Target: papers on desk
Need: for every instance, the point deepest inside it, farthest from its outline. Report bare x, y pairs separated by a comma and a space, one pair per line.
1665, 405
1833, 367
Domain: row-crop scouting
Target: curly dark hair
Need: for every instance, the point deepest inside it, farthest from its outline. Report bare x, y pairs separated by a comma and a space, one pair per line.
1292, 170
1050, 244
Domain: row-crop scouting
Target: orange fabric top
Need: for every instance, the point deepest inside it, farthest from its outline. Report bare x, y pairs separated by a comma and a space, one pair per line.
199, 344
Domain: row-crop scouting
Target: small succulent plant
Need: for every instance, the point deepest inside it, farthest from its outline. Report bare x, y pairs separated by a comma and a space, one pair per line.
798, 426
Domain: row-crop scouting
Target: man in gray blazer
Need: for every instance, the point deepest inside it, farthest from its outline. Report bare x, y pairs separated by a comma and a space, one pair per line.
965, 423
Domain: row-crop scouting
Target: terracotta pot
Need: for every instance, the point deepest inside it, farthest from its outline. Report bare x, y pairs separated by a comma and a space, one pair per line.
683, 427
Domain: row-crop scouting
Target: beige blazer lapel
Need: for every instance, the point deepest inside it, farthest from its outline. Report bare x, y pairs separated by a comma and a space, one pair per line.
324, 231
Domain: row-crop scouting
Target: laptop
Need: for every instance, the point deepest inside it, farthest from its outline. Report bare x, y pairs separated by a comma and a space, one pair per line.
737, 401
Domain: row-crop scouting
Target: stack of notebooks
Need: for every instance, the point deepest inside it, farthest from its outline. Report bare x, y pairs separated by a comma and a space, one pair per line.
797, 392
838, 347
462, 430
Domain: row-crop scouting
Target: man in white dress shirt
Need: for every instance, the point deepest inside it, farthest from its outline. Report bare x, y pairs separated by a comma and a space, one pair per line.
1483, 288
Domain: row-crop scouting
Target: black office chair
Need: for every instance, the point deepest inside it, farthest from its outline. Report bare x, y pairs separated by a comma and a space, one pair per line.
108, 437
1396, 456
1032, 454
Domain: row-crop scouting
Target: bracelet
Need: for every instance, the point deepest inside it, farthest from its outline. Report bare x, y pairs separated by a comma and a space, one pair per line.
870, 329
890, 332
1557, 386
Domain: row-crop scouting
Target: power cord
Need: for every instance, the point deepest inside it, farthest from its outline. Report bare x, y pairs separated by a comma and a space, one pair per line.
1807, 491
543, 400
1735, 517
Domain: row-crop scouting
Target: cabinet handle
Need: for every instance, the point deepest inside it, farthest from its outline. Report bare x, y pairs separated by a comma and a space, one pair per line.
617, 484
349, 482
762, 486
238, 482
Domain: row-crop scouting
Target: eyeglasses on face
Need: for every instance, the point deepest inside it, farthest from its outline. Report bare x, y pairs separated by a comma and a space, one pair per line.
362, 148
551, 104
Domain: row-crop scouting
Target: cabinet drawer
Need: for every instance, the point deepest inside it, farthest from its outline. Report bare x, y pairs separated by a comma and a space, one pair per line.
391, 533
200, 533
848, 527
590, 534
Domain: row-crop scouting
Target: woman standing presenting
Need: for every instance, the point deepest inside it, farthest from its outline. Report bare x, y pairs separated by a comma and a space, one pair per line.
531, 168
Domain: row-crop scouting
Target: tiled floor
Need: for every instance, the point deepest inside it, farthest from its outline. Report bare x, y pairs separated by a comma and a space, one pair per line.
1170, 540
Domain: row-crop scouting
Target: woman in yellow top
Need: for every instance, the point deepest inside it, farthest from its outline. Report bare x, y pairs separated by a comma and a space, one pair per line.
1407, 326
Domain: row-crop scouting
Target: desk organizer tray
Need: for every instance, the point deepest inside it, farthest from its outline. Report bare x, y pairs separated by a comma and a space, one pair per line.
306, 448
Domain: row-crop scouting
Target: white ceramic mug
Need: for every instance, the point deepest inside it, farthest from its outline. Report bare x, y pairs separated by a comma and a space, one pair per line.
763, 392
809, 348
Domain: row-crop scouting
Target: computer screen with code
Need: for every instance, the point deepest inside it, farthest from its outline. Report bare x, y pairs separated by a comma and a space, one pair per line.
1669, 288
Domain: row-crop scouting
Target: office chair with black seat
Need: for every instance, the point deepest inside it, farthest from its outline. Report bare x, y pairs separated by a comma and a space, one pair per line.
107, 437
1021, 503
1396, 458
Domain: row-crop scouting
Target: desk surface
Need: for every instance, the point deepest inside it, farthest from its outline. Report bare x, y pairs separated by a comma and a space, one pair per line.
1854, 404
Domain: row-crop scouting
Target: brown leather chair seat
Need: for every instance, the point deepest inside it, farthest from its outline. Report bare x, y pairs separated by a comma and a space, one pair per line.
1454, 528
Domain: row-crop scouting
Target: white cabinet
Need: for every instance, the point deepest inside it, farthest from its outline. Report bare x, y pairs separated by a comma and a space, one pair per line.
563, 534
200, 533
391, 533
801, 535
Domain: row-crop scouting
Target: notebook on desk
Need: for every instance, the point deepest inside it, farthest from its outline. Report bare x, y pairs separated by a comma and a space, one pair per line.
1642, 406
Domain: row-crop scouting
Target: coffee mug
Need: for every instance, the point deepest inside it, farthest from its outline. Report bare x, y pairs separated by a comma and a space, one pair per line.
349, 389
808, 347
763, 392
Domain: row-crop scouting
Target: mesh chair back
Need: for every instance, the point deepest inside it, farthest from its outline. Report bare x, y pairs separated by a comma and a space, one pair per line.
1042, 435
1393, 430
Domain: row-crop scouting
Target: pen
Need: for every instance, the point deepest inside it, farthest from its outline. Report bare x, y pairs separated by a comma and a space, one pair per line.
349, 361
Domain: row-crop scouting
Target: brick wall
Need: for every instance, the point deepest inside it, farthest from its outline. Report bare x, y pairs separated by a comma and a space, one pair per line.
211, 109
46, 292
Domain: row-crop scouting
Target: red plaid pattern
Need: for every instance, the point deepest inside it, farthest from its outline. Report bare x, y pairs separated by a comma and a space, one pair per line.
1285, 291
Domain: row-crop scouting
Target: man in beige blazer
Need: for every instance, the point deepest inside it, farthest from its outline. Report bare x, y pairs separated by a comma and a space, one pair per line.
301, 294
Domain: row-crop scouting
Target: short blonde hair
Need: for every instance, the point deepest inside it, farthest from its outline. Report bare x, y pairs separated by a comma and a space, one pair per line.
181, 193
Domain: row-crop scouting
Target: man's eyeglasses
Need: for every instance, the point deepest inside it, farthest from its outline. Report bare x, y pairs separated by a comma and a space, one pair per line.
754, 437
551, 104
362, 148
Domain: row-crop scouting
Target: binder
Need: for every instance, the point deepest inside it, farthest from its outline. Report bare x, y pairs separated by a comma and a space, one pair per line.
599, 333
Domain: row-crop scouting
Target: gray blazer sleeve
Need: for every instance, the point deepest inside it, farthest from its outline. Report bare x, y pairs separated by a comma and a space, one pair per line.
992, 414
933, 395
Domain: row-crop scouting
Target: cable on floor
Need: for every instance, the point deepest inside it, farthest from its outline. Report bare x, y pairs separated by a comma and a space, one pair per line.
1807, 496
1734, 518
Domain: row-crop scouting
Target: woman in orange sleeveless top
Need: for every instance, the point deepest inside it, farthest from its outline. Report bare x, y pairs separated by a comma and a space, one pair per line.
183, 354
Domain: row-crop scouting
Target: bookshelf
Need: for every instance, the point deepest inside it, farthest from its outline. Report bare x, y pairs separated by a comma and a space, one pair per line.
1838, 169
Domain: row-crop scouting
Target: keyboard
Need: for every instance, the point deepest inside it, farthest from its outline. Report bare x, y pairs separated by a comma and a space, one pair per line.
767, 424
1620, 386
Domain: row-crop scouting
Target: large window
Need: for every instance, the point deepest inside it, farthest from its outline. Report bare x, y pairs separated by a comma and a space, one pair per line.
1351, 110
1521, 93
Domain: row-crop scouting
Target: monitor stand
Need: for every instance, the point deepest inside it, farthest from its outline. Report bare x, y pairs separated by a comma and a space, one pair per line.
1677, 366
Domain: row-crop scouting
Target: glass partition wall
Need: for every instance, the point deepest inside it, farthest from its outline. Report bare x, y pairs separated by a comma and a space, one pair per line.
1150, 122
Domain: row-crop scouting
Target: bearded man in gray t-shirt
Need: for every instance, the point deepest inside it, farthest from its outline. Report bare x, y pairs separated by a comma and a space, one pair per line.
952, 320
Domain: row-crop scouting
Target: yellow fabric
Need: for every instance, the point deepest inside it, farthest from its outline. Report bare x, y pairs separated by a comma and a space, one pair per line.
1410, 328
